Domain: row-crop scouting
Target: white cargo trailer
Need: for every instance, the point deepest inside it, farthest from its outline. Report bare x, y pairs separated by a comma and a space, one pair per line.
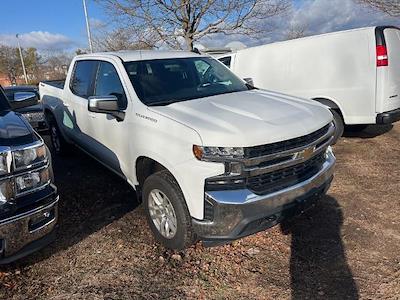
356, 72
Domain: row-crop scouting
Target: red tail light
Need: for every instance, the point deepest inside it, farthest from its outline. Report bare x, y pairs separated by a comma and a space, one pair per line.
382, 59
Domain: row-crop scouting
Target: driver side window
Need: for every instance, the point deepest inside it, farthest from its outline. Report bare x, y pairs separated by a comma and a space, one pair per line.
108, 84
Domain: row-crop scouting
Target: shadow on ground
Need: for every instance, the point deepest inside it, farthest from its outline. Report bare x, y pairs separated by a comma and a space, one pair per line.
318, 264
369, 132
91, 197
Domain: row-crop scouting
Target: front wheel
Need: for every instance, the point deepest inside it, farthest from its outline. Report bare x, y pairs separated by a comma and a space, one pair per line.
166, 211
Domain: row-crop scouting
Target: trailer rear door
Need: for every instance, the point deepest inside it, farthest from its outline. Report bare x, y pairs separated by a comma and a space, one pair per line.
388, 64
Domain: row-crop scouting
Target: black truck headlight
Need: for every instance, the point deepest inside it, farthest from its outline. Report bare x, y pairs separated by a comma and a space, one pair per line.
31, 181
29, 157
5, 162
6, 190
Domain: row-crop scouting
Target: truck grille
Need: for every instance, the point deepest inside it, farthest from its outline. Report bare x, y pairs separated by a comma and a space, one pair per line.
273, 167
298, 142
283, 178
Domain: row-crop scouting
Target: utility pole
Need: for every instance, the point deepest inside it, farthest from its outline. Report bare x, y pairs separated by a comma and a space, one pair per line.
22, 59
88, 27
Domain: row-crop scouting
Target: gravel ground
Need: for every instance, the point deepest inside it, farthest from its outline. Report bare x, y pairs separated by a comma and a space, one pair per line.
346, 247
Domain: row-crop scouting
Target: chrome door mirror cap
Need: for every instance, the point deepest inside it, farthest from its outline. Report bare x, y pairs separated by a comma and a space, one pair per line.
106, 105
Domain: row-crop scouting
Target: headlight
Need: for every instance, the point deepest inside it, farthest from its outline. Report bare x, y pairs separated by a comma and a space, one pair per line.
28, 157
210, 153
31, 181
5, 163
6, 190
34, 116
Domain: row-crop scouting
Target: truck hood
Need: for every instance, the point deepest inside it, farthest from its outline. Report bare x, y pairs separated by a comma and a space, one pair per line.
15, 130
248, 118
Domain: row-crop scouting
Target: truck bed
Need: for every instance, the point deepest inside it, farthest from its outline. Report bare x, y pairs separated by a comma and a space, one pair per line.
55, 83
51, 90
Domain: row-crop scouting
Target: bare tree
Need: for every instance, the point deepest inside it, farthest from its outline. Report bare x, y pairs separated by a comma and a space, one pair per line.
10, 64
390, 7
122, 39
296, 32
179, 23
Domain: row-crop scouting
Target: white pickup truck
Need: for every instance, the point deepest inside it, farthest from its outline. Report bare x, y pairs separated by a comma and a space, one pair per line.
212, 158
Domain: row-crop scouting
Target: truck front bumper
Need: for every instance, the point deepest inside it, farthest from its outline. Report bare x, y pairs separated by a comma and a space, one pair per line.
238, 213
388, 117
27, 232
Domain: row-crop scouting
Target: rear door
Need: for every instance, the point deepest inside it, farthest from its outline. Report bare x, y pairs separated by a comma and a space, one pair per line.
388, 71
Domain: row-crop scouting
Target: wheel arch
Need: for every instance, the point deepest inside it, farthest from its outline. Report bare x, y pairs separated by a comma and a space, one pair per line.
331, 104
145, 167
49, 113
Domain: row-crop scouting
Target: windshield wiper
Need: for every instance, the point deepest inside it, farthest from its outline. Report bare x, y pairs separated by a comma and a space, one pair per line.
163, 102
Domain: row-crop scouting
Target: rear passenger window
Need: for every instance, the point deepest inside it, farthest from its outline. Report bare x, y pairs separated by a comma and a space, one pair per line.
109, 84
82, 78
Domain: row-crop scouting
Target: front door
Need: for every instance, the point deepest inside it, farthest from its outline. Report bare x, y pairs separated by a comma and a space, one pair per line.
110, 135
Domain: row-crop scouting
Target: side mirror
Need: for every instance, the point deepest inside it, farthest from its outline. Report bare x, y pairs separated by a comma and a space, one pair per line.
249, 81
106, 105
24, 99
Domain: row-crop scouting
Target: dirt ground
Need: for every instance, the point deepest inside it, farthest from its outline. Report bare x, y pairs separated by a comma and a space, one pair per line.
346, 247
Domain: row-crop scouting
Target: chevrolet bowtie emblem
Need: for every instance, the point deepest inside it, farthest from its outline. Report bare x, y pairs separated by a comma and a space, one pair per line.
308, 153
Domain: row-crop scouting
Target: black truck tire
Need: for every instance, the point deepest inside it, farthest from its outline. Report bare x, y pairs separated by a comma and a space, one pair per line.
164, 186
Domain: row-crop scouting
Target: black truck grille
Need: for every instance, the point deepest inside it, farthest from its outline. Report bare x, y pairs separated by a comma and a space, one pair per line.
298, 142
283, 178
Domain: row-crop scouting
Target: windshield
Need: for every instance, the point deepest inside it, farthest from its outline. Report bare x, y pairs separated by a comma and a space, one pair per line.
4, 105
165, 81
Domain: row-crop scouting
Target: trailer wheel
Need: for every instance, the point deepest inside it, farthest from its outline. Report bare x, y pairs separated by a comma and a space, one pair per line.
166, 211
339, 126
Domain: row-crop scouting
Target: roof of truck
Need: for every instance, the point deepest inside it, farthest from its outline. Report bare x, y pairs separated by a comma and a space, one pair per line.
133, 55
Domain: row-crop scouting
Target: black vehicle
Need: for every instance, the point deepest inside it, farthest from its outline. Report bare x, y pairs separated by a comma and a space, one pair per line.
28, 197
33, 113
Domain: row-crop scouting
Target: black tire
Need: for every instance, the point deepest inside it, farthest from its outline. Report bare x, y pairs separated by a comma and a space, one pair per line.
339, 126
59, 145
356, 128
166, 183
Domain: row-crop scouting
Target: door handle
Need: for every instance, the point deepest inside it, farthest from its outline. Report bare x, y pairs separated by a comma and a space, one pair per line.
92, 115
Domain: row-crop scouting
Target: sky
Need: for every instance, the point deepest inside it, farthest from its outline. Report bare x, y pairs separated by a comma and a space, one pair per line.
59, 25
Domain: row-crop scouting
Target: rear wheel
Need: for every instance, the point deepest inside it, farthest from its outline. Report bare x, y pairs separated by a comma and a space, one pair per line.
339, 125
166, 211
59, 144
